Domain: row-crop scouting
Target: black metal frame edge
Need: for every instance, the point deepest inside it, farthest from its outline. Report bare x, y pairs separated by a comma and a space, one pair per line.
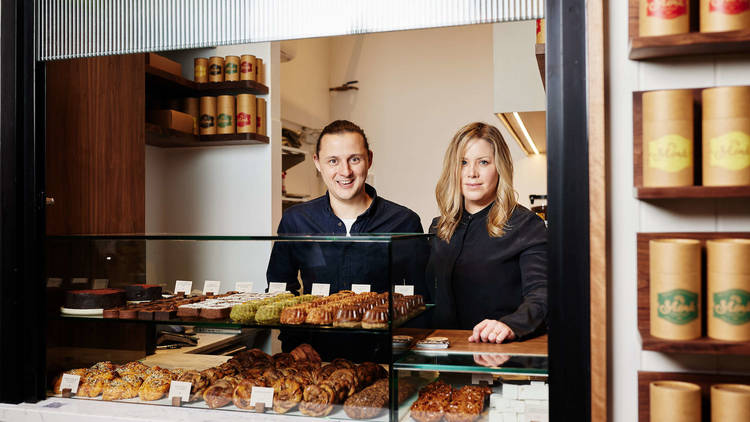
568, 216
22, 323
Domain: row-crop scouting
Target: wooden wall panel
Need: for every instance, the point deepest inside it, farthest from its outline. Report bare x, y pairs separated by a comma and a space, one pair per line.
95, 145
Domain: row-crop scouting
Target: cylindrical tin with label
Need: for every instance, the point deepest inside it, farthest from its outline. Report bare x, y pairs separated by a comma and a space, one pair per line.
660, 17
726, 136
207, 119
730, 402
224, 114
231, 68
675, 401
724, 15
675, 288
667, 138
260, 71
216, 69
200, 69
246, 113
247, 67
191, 106
541, 31
261, 120
728, 262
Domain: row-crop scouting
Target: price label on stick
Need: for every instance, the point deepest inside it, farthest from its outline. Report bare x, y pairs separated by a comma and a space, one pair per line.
321, 289
184, 286
261, 395
211, 286
244, 286
479, 378
360, 288
276, 287
180, 389
70, 381
406, 290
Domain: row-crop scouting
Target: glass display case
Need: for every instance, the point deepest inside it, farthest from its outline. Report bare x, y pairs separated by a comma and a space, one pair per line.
309, 326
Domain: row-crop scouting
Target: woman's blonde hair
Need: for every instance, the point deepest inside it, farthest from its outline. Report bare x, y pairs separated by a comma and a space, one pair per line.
448, 190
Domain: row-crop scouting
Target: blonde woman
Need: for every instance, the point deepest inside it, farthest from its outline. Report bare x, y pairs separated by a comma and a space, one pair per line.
488, 260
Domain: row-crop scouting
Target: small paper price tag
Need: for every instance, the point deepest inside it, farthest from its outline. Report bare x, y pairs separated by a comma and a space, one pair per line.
79, 280
360, 288
276, 287
244, 286
184, 286
406, 290
211, 286
54, 282
479, 378
321, 289
180, 389
261, 395
70, 381
100, 283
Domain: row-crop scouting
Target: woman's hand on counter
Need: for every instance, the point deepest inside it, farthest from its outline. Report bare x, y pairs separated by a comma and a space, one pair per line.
491, 331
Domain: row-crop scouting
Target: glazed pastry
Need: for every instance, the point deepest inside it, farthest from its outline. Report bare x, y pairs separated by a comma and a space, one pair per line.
154, 388
375, 318
81, 372
241, 394
324, 372
317, 400
103, 366
347, 380
293, 315
343, 363
212, 374
122, 388
287, 394
319, 316
368, 403
466, 404
268, 314
306, 353
283, 359
349, 316
199, 384
136, 368
220, 393
432, 403
367, 374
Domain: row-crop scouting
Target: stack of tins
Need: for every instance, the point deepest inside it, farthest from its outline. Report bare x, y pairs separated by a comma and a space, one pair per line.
669, 141
676, 401
660, 17
218, 115
229, 69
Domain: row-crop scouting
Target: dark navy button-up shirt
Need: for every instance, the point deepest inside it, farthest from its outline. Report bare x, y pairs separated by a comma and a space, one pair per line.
342, 264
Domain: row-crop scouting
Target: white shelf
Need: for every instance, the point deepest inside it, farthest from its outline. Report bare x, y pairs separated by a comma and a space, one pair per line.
293, 150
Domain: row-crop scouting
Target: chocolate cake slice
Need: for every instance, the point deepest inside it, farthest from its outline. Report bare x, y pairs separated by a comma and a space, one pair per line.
138, 292
94, 299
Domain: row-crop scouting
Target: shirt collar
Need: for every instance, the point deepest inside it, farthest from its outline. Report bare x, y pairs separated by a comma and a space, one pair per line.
465, 216
368, 189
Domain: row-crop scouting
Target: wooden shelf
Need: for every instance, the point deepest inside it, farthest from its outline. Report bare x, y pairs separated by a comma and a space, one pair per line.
694, 43
705, 381
541, 50
696, 191
167, 84
703, 345
169, 138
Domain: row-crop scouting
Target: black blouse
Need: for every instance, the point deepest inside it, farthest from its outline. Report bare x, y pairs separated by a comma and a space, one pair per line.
479, 277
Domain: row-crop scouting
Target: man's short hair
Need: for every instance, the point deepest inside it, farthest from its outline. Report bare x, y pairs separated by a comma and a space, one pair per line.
341, 126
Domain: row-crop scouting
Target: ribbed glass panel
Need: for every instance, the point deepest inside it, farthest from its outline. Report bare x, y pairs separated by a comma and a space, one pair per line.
85, 28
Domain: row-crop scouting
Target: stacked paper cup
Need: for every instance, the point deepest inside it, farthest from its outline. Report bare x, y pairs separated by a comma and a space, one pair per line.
729, 289
675, 401
675, 288
730, 402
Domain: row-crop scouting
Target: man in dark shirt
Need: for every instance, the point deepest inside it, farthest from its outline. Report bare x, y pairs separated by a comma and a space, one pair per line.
349, 208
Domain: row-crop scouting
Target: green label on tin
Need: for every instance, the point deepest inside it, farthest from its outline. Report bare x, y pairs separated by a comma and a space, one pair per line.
732, 306
678, 306
230, 68
224, 120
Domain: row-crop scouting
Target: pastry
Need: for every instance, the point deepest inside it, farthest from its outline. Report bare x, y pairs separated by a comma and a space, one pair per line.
283, 359
140, 292
349, 316
319, 316
155, 386
293, 315
122, 388
375, 318
242, 392
268, 314
306, 353
135, 367
347, 380
287, 394
198, 381
317, 400
81, 372
215, 311
432, 403
368, 403
94, 299
220, 393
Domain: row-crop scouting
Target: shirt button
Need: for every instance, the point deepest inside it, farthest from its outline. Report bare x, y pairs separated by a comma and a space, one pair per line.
340, 224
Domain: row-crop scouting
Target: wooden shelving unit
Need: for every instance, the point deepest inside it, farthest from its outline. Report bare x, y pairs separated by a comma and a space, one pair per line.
696, 191
166, 83
694, 43
705, 381
168, 138
291, 156
703, 345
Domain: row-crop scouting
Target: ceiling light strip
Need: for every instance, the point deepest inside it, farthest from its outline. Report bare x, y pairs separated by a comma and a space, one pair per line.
526, 133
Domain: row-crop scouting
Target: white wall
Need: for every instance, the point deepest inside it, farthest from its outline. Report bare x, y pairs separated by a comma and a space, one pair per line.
417, 88
228, 190
629, 215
